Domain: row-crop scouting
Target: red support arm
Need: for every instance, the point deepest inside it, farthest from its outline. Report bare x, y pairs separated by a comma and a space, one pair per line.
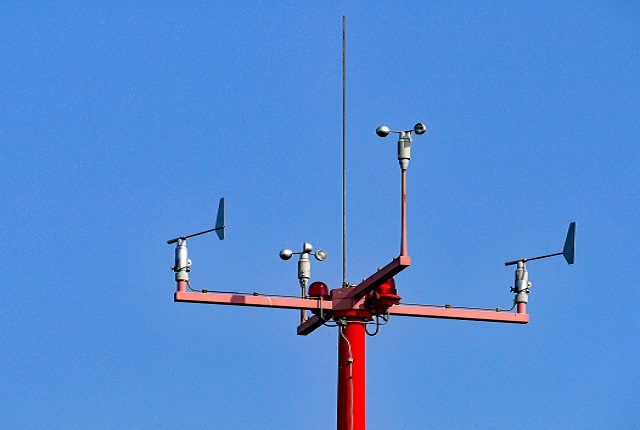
459, 314
314, 322
387, 272
251, 300
309, 326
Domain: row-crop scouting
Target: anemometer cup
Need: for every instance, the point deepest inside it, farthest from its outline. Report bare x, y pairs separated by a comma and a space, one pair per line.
383, 131
320, 255
286, 254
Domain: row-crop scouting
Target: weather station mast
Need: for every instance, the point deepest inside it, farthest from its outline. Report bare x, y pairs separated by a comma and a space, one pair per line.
353, 308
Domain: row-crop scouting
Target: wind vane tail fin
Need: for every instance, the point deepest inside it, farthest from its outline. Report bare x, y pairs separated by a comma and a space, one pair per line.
569, 250
220, 220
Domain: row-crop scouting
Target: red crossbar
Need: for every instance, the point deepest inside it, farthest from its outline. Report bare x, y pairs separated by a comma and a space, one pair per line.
459, 314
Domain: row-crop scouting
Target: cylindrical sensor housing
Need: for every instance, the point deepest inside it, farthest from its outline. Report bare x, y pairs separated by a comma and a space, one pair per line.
404, 150
304, 267
522, 283
181, 260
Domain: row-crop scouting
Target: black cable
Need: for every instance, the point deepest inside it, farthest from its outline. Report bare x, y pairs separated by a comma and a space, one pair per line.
448, 306
377, 328
241, 293
198, 291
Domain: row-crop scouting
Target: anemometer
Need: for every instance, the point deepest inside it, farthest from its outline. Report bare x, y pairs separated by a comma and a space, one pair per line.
304, 268
404, 141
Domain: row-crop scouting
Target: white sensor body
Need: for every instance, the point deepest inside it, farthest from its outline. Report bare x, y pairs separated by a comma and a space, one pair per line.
182, 263
304, 269
404, 149
522, 284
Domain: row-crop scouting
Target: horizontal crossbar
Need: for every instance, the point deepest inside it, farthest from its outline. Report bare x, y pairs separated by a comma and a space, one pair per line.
326, 305
251, 300
458, 314
396, 266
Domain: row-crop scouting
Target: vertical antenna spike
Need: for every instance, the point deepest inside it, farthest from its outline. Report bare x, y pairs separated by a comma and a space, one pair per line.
344, 151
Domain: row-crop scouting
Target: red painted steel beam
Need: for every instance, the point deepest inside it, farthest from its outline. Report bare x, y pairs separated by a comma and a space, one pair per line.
314, 304
387, 272
309, 326
251, 300
459, 314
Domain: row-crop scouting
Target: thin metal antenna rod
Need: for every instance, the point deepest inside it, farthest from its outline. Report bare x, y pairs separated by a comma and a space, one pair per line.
344, 152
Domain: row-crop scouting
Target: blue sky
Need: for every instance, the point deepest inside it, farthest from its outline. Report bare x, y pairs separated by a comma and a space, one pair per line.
122, 124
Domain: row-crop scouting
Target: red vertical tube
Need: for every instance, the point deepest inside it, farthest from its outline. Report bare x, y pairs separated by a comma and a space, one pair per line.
522, 308
403, 241
351, 376
182, 286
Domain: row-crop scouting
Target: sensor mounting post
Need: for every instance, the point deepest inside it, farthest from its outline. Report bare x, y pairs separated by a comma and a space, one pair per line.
404, 156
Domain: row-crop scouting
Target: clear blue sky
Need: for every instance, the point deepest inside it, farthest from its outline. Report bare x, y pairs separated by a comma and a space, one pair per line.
122, 124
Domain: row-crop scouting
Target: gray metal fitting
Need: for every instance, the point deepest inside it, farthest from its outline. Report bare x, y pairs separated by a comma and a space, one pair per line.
522, 284
182, 255
182, 275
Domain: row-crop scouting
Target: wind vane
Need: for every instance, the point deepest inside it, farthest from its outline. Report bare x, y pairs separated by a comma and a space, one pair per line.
351, 308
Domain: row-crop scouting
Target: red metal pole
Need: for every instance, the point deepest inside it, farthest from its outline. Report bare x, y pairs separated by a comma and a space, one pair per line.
351, 375
303, 312
182, 286
403, 241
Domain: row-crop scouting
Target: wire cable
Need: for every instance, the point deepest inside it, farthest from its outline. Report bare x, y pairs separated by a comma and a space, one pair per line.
322, 318
243, 293
448, 306
377, 323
